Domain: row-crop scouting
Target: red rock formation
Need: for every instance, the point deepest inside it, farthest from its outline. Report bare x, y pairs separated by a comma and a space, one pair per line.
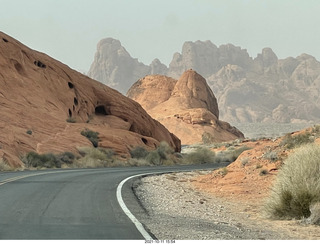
39, 94
187, 106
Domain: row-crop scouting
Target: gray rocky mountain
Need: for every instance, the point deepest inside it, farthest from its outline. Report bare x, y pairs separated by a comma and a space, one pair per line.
261, 89
114, 66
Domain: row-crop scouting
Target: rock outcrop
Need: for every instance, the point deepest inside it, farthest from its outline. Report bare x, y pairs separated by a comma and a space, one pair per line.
248, 90
187, 107
114, 67
40, 97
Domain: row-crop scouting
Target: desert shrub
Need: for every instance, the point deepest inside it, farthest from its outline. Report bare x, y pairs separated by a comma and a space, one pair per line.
154, 158
164, 150
297, 186
316, 130
200, 156
35, 160
4, 166
271, 155
29, 132
139, 152
67, 157
230, 155
207, 138
292, 141
92, 136
223, 171
263, 172
48, 160
137, 162
95, 158
162, 155
244, 161
71, 120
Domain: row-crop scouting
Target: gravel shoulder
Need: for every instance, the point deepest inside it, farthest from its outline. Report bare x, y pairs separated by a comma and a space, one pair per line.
175, 210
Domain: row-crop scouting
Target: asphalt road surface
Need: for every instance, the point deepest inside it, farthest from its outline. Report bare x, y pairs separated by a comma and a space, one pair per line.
72, 204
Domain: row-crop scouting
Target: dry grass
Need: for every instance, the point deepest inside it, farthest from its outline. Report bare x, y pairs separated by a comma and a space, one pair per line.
94, 158
297, 186
4, 166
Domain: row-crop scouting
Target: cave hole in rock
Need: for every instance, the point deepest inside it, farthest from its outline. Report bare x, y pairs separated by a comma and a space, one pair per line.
144, 140
75, 100
70, 113
40, 64
101, 110
5, 40
70, 85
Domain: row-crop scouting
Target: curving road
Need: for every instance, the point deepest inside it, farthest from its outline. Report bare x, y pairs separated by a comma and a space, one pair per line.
71, 204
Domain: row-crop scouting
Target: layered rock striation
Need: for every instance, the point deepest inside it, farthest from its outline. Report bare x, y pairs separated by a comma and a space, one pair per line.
45, 105
186, 106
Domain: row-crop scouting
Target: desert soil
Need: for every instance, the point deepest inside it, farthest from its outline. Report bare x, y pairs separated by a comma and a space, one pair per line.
177, 208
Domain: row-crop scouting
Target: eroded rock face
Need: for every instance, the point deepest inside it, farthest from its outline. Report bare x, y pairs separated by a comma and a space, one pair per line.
39, 94
261, 89
114, 67
187, 106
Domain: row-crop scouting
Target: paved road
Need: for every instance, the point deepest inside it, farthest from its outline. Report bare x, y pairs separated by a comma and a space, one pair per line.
70, 204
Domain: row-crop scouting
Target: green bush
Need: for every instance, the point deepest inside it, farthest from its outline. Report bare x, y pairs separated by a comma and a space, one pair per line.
297, 186
92, 136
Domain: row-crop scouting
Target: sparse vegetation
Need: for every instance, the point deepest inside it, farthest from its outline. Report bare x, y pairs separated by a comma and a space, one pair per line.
297, 187
200, 156
48, 160
29, 132
71, 120
292, 141
139, 152
35, 160
163, 155
230, 155
223, 171
271, 155
207, 138
4, 166
95, 158
244, 161
92, 136
263, 172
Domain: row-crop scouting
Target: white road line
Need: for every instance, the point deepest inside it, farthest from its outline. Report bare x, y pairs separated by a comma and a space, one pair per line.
139, 226
30, 175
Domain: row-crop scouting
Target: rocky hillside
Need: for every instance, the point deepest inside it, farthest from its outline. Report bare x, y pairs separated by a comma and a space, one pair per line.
45, 106
261, 89
186, 106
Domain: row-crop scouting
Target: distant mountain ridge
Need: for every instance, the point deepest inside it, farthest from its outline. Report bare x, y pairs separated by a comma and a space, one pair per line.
248, 90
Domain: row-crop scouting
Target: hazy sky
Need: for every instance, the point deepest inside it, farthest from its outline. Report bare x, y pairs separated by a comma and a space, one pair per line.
69, 30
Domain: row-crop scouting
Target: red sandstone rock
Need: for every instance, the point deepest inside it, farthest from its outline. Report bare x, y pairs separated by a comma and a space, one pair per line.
38, 94
187, 106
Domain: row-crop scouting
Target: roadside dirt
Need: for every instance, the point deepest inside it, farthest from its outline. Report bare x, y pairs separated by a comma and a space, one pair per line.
221, 204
